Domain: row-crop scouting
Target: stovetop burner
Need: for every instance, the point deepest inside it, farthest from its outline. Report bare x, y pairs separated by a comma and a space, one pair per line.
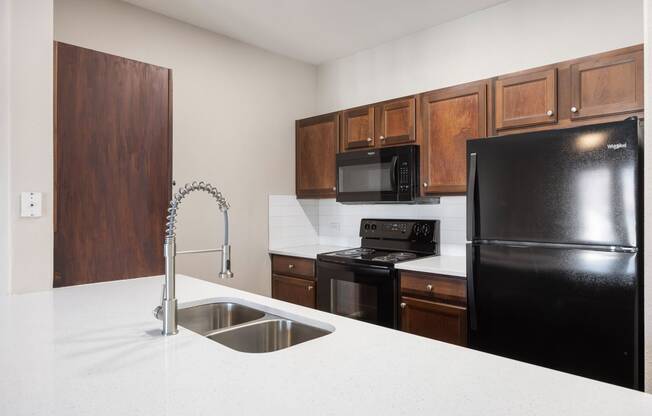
395, 257
355, 252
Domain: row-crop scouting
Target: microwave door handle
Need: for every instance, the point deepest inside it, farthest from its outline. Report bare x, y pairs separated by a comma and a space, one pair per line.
395, 173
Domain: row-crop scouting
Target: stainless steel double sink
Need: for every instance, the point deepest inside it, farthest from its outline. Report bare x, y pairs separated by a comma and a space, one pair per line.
245, 328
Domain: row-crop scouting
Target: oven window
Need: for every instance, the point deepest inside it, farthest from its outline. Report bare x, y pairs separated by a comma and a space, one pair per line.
366, 178
354, 300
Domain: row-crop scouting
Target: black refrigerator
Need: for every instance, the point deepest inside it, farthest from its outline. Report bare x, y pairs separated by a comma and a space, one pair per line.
554, 252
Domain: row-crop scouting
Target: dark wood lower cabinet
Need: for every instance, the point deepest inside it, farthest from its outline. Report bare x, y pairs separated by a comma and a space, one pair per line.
434, 320
294, 290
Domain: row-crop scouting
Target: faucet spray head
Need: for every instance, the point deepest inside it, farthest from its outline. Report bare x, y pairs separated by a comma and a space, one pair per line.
225, 269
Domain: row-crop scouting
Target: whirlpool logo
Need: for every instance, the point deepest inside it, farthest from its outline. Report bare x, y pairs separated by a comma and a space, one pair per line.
616, 146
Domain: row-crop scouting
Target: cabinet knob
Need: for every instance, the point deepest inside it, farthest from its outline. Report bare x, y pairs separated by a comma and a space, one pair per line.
550, 113
309, 288
429, 288
382, 137
573, 109
334, 188
403, 305
368, 139
425, 184
290, 266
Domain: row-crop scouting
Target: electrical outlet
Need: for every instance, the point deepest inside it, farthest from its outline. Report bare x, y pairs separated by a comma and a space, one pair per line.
31, 204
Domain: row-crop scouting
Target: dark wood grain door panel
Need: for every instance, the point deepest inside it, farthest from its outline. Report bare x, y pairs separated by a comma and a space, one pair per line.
113, 166
607, 85
526, 99
316, 146
358, 128
450, 117
397, 121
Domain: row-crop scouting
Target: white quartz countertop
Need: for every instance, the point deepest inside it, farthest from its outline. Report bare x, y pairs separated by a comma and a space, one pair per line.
448, 265
97, 350
308, 252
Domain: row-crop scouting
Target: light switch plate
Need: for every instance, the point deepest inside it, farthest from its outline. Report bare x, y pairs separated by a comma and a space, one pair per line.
31, 204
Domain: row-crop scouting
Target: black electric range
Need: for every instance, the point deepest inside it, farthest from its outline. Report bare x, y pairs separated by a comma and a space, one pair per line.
362, 283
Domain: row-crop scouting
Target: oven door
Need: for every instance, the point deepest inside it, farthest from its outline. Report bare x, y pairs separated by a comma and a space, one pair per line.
365, 293
377, 175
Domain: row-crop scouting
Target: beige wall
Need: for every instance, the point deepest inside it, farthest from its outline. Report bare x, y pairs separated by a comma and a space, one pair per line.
4, 146
29, 147
234, 112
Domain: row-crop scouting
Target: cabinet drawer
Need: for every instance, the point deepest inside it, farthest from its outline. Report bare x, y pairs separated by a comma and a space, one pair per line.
293, 266
434, 286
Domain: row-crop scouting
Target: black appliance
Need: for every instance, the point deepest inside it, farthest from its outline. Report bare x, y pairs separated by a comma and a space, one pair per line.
362, 283
554, 267
378, 175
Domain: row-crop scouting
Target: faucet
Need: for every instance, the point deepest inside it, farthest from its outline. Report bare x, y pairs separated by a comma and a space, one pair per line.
168, 304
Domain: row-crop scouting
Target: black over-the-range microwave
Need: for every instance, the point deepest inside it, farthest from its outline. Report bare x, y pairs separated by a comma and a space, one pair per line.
387, 175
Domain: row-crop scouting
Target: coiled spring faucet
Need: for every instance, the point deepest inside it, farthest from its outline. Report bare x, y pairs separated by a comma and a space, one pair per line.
169, 301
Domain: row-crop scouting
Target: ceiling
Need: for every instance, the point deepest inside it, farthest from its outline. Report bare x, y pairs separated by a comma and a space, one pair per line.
315, 31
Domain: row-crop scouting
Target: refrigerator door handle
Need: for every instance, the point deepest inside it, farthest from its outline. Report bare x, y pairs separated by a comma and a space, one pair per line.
470, 197
470, 287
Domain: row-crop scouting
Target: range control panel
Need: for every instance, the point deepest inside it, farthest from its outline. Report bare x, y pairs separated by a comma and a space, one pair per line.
425, 231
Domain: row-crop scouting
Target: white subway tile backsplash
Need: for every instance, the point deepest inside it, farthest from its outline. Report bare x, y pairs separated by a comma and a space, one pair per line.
294, 222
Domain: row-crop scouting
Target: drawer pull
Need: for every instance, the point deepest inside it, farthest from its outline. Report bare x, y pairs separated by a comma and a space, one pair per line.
290, 266
309, 288
403, 305
429, 288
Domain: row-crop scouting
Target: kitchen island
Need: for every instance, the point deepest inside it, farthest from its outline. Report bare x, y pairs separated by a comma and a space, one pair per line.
97, 350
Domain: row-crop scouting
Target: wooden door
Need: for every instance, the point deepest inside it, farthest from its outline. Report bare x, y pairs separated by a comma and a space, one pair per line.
316, 146
449, 118
607, 85
396, 121
294, 290
526, 99
113, 166
434, 320
358, 128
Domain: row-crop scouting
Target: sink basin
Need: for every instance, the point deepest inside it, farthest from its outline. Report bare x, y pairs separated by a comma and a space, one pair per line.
211, 317
268, 336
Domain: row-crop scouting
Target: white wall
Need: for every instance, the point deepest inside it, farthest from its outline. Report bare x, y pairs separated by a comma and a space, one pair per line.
4, 147
234, 112
516, 35
30, 141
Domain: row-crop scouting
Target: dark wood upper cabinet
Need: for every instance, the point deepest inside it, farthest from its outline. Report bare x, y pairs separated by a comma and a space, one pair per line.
526, 99
434, 320
316, 146
607, 85
396, 121
449, 118
358, 128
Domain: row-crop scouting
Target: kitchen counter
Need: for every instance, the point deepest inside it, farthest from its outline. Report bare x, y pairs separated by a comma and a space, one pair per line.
307, 252
447, 265
97, 350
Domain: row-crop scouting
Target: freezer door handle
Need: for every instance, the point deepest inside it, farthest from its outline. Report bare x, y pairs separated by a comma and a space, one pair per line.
470, 287
470, 197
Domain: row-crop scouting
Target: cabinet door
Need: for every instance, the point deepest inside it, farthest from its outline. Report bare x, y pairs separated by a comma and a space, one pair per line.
449, 118
439, 321
607, 85
294, 290
316, 146
358, 128
396, 121
526, 99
